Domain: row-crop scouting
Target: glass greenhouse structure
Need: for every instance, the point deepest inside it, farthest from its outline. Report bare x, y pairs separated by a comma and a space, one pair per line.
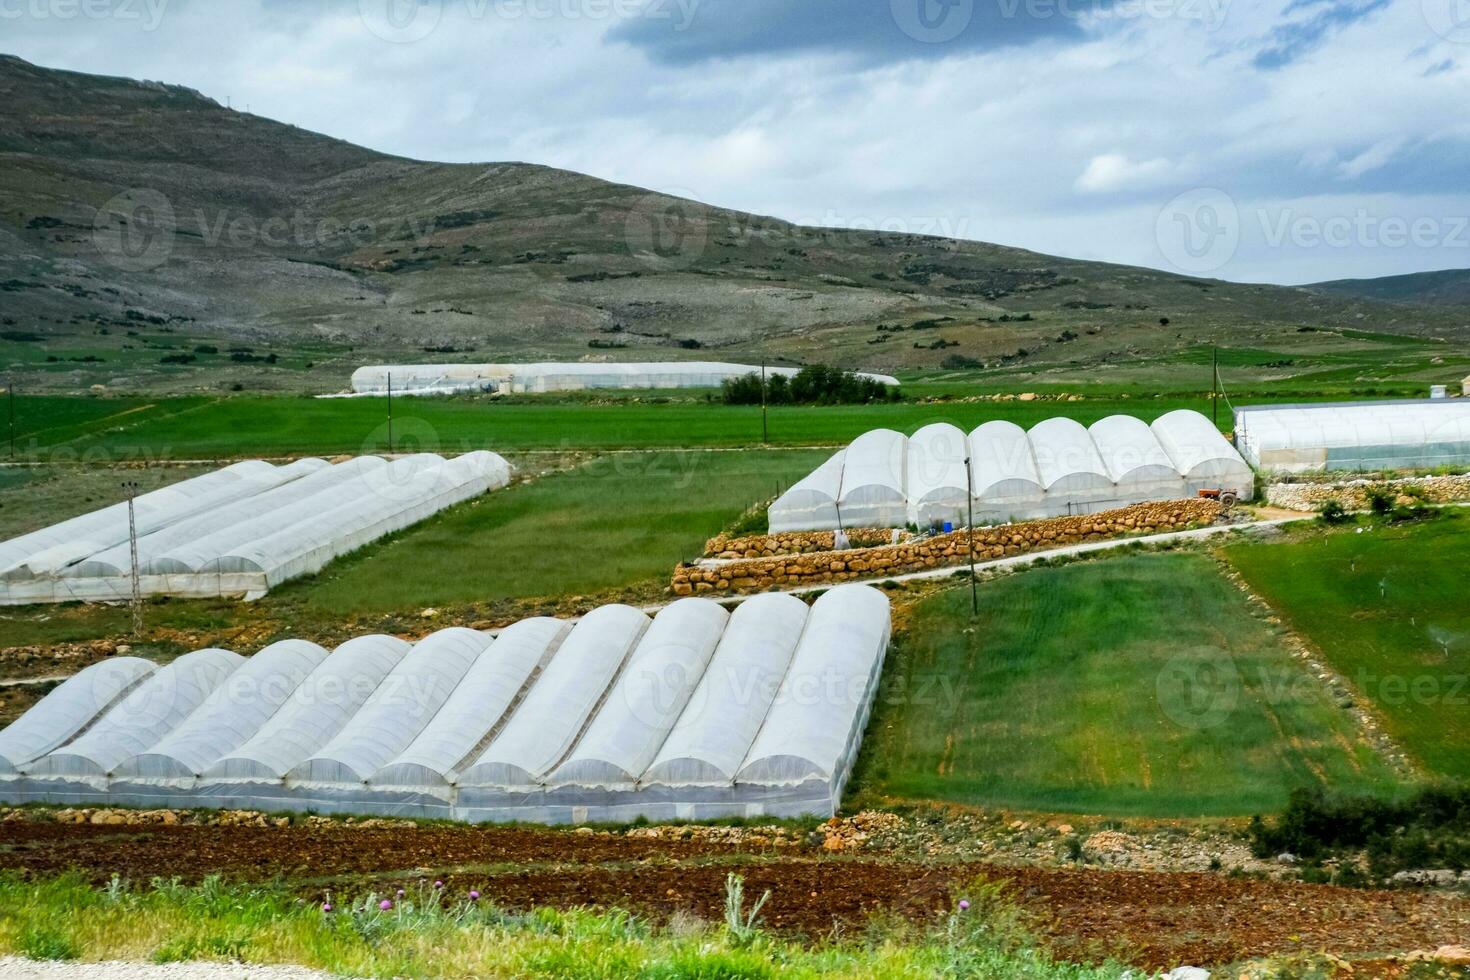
695, 713
241, 530
1057, 468
1359, 436
449, 379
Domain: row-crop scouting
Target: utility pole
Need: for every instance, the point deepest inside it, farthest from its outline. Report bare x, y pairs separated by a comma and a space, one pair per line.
970, 537
765, 424
1215, 386
11, 400
131, 488
390, 413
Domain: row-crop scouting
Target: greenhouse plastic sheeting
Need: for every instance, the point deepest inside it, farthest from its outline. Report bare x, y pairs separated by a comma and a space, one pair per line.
1007, 483
241, 530
64, 713
142, 718
938, 488
725, 712
811, 503
1360, 436
1137, 462
1203, 457
645, 702
556, 709
232, 713
1057, 468
448, 379
698, 714
873, 481
316, 711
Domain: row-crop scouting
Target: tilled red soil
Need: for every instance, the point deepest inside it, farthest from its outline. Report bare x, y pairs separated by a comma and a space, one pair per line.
1153, 919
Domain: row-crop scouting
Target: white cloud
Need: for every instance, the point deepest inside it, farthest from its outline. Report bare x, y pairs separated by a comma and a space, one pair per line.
1114, 171
1061, 146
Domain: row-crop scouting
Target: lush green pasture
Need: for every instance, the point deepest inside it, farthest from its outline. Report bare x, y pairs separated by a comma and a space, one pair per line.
1141, 685
618, 520
1389, 607
246, 425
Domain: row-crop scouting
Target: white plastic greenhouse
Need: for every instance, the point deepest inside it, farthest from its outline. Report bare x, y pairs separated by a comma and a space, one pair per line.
1360, 436
449, 379
695, 714
1058, 468
241, 530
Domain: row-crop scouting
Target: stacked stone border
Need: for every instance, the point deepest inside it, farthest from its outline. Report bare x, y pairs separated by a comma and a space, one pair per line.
797, 542
789, 571
1355, 494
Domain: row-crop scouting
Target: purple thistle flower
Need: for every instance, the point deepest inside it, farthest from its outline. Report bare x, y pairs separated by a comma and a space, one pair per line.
438, 884
400, 893
385, 905
474, 896
326, 906
964, 904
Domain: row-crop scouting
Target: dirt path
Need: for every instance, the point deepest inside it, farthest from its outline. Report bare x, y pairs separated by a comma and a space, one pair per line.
1153, 919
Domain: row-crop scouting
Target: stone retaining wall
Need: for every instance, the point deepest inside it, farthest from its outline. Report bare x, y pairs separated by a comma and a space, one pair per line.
760, 574
795, 542
1354, 494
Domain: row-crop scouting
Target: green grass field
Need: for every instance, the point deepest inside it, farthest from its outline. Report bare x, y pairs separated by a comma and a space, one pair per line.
1141, 685
1390, 609
618, 520
69, 427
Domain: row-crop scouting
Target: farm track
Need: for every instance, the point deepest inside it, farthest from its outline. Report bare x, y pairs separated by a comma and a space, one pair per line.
1153, 919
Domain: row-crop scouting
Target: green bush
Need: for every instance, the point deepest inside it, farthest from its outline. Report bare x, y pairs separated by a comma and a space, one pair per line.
816, 384
1333, 512
1429, 829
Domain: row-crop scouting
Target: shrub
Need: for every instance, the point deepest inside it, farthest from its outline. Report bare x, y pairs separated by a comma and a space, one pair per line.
816, 384
43, 942
1333, 512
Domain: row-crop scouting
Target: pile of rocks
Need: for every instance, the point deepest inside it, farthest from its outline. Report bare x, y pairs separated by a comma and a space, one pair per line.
871, 827
760, 574
1356, 494
798, 542
770, 835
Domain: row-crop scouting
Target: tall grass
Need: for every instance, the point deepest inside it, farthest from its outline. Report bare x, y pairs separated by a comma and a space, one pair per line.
425, 934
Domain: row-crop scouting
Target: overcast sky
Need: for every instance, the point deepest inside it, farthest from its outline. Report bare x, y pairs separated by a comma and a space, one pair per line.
1281, 140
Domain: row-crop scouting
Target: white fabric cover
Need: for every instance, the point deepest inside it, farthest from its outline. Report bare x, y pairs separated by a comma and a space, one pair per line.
48, 551
143, 717
648, 697
491, 688
1068, 461
233, 712
1137, 463
1007, 483
811, 503
316, 711
1203, 456
718, 725
873, 481
938, 487
392, 717
551, 718
817, 718
58, 717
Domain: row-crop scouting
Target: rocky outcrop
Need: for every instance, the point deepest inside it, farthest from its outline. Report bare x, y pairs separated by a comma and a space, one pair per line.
760, 574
